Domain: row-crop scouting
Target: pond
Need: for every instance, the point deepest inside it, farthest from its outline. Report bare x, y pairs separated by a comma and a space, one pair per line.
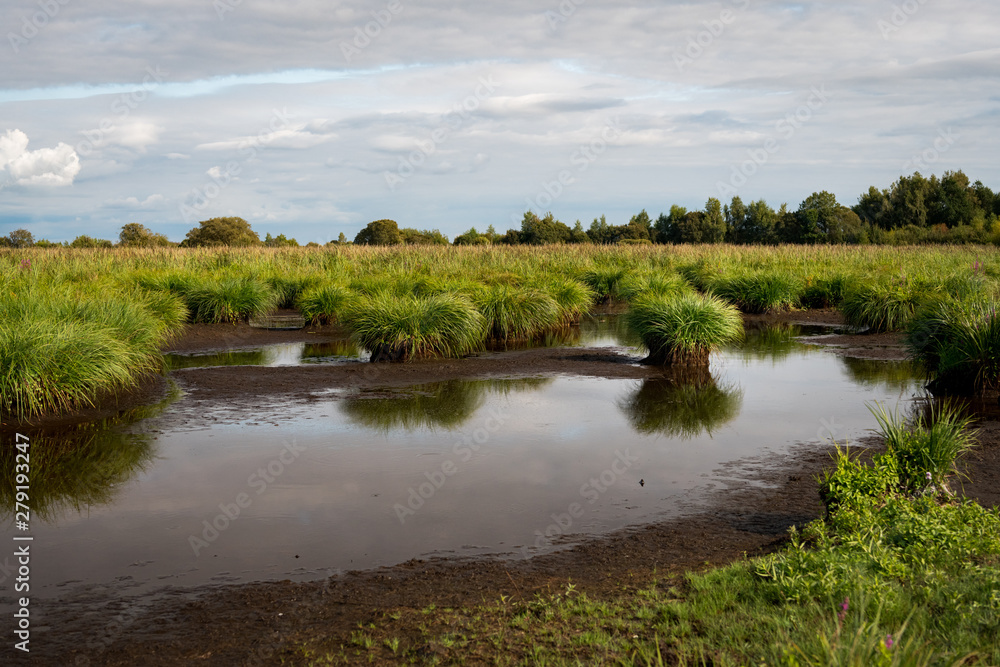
173, 495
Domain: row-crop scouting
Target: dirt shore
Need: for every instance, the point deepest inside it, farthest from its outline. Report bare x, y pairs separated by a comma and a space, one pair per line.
263, 623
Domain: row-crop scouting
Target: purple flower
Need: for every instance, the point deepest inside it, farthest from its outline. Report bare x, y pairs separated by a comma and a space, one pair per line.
888, 642
25, 264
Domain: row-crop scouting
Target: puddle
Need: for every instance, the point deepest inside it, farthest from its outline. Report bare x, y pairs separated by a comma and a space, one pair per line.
359, 479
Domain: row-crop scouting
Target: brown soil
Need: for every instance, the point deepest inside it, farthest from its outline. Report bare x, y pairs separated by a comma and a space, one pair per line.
263, 623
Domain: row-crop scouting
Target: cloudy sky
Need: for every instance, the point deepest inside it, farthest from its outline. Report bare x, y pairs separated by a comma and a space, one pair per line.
312, 118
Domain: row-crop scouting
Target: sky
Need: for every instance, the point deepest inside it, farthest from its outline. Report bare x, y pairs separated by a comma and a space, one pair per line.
311, 118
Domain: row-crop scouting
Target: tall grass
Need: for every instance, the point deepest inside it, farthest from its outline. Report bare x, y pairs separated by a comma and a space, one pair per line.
229, 299
755, 292
683, 330
884, 306
323, 304
517, 313
959, 342
400, 328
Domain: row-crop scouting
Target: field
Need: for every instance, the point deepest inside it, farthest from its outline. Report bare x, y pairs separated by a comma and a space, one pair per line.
900, 569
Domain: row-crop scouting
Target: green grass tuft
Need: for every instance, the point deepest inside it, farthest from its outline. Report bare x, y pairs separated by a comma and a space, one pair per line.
683, 330
754, 292
400, 328
229, 299
959, 342
516, 313
324, 303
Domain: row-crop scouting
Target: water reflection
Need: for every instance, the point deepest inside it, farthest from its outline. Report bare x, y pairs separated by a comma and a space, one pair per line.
682, 406
897, 375
446, 404
79, 467
771, 340
285, 354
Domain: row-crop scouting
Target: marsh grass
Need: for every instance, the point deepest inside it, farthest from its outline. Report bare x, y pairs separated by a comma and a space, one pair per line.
757, 293
400, 328
323, 304
229, 299
572, 298
959, 343
884, 306
683, 330
513, 313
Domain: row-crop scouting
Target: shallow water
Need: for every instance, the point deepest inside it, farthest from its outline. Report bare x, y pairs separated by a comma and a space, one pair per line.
361, 479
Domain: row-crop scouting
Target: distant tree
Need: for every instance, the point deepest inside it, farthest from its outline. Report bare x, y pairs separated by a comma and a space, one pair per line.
20, 238
759, 223
134, 235
472, 237
84, 241
231, 231
45, 243
736, 214
312, 244
716, 218
578, 235
600, 231
873, 207
952, 201
491, 234
669, 227
280, 241
342, 238
379, 232
543, 231
642, 221
412, 236
908, 199
818, 220
512, 237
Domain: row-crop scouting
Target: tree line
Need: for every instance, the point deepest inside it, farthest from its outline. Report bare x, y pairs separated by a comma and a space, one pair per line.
914, 209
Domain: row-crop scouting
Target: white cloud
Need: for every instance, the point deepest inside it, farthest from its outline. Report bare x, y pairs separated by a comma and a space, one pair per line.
46, 166
132, 202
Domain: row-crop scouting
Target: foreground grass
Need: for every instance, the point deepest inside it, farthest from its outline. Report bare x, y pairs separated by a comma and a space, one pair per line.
900, 572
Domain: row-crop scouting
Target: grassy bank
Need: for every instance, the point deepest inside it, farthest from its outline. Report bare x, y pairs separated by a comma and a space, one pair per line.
899, 572
121, 305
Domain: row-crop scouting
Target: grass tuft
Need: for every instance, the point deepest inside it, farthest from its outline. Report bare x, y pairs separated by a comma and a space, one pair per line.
400, 328
683, 330
517, 313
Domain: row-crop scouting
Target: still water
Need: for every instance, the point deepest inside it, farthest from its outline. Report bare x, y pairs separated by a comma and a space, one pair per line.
188, 494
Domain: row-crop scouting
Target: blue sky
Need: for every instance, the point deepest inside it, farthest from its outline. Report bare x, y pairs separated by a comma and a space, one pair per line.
313, 118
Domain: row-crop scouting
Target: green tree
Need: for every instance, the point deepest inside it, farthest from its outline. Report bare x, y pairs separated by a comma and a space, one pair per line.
578, 235
908, 198
669, 227
20, 238
873, 207
231, 231
280, 241
134, 235
600, 231
736, 214
472, 237
543, 231
380, 232
84, 241
422, 236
